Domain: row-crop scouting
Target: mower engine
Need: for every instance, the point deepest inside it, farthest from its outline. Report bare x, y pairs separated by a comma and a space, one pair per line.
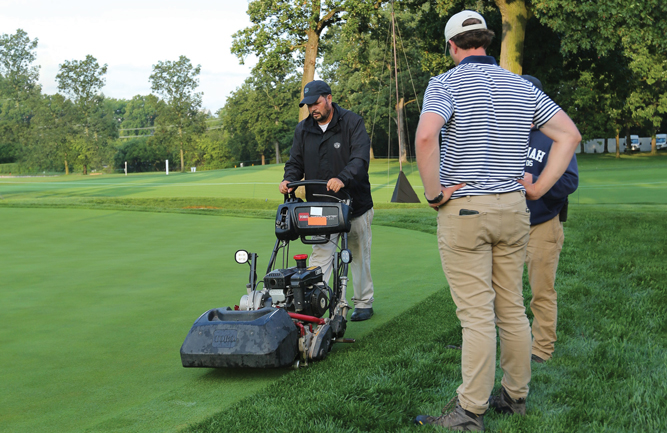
298, 289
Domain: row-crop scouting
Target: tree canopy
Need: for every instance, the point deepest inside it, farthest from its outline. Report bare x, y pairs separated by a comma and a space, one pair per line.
603, 61
286, 33
177, 82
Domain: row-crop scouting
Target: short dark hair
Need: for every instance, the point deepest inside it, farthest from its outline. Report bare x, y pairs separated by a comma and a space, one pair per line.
473, 38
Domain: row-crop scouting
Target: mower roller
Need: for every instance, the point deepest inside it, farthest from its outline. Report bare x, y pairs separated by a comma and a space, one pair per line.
284, 323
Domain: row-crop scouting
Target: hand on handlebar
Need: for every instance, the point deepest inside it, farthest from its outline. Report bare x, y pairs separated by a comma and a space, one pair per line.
283, 187
335, 184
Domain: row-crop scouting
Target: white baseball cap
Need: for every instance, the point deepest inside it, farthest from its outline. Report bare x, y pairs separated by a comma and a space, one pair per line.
455, 24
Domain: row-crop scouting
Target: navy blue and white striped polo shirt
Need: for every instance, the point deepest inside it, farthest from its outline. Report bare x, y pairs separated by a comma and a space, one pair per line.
488, 111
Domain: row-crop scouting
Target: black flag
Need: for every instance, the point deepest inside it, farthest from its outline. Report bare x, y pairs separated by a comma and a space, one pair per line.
403, 192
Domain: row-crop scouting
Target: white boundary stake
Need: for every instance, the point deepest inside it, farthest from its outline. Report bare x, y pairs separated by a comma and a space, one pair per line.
167, 166
125, 168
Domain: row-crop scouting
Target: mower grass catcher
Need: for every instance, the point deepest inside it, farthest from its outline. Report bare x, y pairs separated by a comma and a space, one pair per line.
282, 324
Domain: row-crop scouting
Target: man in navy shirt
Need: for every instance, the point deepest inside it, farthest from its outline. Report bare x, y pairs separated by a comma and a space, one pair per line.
546, 239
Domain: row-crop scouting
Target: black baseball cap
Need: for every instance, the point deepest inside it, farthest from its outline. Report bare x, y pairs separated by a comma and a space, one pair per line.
313, 91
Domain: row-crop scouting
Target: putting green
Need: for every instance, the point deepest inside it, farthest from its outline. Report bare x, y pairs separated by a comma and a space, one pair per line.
95, 306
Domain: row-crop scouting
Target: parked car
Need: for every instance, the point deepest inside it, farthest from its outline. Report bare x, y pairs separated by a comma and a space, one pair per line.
661, 141
634, 143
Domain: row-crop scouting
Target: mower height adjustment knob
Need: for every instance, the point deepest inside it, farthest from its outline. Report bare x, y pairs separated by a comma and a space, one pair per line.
301, 260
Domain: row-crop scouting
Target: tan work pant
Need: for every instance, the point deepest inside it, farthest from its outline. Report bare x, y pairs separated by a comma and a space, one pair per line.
359, 242
544, 247
483, 257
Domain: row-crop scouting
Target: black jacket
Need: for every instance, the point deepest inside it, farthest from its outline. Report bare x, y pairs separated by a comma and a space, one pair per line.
342, 151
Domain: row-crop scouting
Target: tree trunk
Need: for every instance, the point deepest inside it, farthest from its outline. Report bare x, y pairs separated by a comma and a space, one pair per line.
654, 148
402, 136
605, 148
515, 16
618, 143
309, 63
182, 164
627, 140
277, 146
66, 167
263, 159
372, 153
85, 169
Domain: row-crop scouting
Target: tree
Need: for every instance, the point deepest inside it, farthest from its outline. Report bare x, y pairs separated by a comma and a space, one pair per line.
260, 117
81, 81
176, 81
17, 53
635, 32
19, 93
514, 20
648, 100
358, 64
274, 109
286, 33
140, 114
52, 137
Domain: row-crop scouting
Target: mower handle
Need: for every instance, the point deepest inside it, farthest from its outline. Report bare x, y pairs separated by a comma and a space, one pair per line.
299, 183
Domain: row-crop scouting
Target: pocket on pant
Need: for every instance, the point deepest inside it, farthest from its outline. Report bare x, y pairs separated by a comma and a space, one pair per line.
559, 236
464, 231
521, 227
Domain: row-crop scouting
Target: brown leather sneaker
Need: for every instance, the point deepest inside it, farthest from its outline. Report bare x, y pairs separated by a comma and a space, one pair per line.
455, 418
503, 403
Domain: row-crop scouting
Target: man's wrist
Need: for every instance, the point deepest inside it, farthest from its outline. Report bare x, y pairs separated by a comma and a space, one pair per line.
436, 199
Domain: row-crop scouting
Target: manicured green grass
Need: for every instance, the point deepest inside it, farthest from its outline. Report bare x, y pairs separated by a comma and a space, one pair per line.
609, 372
96, 303
633, 179
246, 183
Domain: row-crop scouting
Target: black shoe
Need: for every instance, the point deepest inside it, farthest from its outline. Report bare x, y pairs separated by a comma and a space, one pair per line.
505, 404
454, 418
360, 314
537, 359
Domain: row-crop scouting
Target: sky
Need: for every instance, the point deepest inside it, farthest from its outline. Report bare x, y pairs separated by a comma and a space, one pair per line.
131, 37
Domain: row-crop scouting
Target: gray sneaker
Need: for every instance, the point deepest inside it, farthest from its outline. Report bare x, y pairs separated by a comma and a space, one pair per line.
505, 404
454, 418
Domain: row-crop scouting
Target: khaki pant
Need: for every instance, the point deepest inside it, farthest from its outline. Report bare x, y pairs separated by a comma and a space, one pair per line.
359, 243
544, 247
483, 257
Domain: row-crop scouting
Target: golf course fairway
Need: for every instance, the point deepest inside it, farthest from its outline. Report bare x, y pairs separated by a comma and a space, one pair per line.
96, 304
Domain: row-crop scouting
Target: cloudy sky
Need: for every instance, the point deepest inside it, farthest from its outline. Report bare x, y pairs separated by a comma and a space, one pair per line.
131, 36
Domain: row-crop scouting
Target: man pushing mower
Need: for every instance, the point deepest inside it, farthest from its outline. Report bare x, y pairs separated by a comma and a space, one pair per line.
332, 144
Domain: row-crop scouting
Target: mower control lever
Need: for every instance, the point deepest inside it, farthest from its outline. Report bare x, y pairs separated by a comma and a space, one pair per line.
298, 183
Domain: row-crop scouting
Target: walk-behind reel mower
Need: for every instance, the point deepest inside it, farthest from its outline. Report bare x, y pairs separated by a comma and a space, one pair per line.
284, 323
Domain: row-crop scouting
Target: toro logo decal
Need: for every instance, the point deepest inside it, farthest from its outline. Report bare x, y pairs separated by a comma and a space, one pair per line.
225, 338
303, 217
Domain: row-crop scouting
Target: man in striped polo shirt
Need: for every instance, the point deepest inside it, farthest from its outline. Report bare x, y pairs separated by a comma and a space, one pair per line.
474, 181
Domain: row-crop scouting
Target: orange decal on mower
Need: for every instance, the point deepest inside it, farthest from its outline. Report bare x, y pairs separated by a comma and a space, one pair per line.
317, 221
